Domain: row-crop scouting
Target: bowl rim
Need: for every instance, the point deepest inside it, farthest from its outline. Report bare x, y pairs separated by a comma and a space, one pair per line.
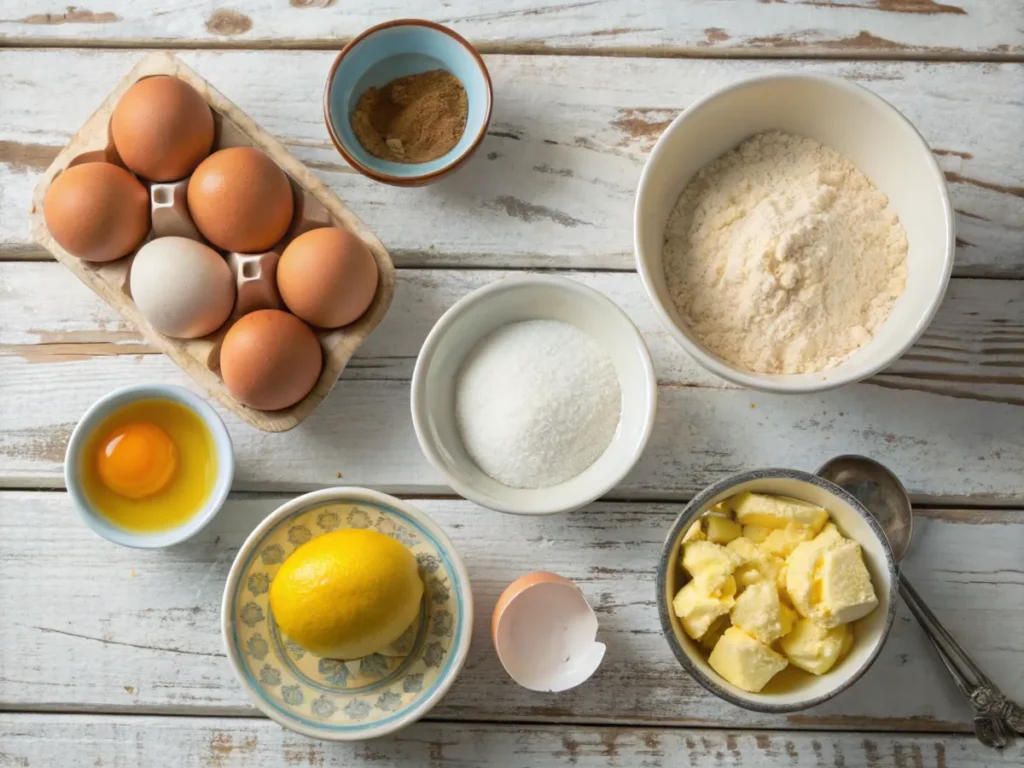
454, 315
105, 407
424, 178
667, 560
778, 383
325, 496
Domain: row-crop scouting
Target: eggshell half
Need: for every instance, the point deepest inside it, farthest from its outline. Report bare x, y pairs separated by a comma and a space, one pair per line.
545, 633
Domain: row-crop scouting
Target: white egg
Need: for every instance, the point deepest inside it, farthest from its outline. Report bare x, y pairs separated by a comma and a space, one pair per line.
183, 288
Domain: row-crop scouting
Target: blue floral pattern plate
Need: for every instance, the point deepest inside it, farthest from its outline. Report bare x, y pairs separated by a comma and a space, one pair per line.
349, 699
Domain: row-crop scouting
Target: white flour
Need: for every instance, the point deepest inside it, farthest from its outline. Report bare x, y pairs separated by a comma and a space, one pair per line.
783, 257
537, 402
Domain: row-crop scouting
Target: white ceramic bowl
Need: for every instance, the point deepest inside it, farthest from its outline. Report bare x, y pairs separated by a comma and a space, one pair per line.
853, 521
848, 118
355, 699
95, 416
512, 300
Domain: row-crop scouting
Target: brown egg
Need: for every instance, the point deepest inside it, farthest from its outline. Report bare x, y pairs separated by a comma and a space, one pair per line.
162, 128
327, 277
270, 360
240, 200
97, 211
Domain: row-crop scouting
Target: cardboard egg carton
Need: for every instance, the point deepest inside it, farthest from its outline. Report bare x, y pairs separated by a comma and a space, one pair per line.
315, 206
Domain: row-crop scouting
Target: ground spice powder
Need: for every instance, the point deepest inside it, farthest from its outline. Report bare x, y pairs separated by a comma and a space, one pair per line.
412, 119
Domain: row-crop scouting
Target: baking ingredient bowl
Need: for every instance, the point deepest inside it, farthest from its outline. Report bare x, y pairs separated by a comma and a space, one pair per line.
512, 300
789, 693
347, 699
76, 457
396, 49
850, 119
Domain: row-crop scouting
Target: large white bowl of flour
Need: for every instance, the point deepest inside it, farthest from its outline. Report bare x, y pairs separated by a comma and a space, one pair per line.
864, 129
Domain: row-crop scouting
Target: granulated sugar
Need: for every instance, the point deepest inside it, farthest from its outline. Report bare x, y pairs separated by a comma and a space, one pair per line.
783, 257
537, 402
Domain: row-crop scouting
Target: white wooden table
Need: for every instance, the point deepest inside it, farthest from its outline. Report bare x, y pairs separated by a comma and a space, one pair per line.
112, 657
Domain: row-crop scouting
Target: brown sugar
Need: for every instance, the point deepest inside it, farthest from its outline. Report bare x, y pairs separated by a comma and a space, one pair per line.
412, 119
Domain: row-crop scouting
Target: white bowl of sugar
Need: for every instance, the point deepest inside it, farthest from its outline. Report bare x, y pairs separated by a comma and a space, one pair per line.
533, 395
741, 336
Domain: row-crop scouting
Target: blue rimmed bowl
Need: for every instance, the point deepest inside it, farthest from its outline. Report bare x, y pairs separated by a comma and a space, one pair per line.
351, 699
96, 416
397, 49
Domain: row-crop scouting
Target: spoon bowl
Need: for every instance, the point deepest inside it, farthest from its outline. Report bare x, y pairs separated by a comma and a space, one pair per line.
878, 489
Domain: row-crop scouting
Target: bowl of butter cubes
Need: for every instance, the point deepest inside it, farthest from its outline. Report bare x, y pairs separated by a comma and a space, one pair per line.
776, 589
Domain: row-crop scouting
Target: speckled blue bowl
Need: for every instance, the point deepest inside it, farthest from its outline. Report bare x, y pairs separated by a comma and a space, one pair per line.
397, 49
353, 699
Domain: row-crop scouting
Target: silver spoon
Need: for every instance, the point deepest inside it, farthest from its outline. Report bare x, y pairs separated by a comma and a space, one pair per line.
878, 489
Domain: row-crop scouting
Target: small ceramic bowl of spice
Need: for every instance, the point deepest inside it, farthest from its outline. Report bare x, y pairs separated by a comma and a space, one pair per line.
534, 395
407, 102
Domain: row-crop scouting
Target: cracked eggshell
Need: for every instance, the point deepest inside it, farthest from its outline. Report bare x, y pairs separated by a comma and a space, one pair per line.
545, 633
183, 288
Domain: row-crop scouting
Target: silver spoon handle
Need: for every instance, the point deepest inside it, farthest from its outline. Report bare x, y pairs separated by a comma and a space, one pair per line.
933, 627
993, 710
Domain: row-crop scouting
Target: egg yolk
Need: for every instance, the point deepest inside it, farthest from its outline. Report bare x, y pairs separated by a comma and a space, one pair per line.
137, 460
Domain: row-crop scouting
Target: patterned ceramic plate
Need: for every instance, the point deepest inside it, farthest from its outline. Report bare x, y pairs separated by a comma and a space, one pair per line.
357, 698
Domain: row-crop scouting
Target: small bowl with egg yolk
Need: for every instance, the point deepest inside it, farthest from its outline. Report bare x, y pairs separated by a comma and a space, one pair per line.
790, 688
149, 466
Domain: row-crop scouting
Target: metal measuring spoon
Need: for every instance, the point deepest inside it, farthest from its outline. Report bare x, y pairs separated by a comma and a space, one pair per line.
878, 489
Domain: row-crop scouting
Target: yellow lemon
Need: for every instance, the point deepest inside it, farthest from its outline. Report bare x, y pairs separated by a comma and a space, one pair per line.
347, 594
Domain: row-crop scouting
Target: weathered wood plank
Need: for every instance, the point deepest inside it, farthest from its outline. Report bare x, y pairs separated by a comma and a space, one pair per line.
868, 28
972, 349
40, 741
553, 183
954, 433
89, 625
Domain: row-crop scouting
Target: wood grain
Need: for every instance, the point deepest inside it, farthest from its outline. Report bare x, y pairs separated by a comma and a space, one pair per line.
860, 28
40, 741
948, 417
92, 626
553, 183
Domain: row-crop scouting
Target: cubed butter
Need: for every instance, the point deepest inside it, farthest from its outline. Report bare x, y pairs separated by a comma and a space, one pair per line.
760, 613
776, 511
829, 536
826, 580
814, 648
697, 610
706, 557
846, 590
803, 574
782, 541
756, 533
745, 661
714, 633
755, 565
847, 641
694, 532
722, 530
